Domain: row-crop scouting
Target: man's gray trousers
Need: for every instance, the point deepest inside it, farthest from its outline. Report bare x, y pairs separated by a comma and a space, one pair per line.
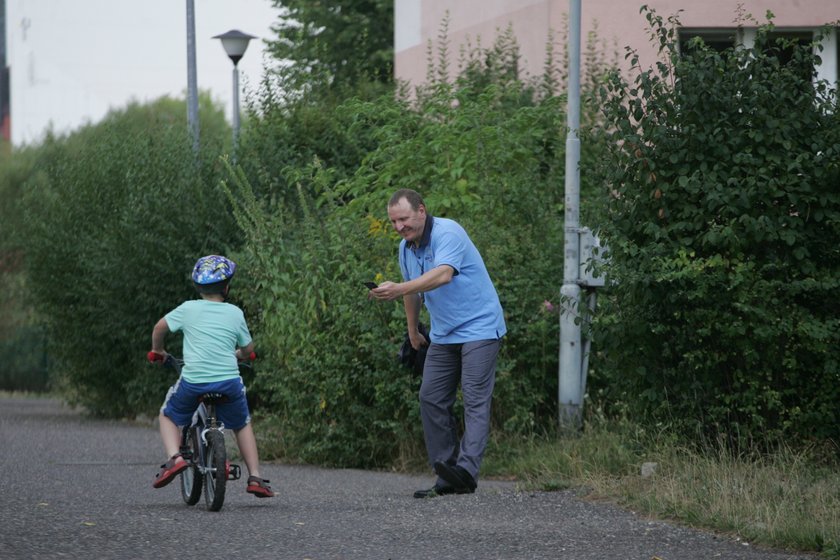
473, 364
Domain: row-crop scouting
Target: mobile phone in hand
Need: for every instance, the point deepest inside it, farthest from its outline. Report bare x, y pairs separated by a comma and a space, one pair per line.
371, 285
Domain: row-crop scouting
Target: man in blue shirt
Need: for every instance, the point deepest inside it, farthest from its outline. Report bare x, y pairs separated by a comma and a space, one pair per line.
442, 269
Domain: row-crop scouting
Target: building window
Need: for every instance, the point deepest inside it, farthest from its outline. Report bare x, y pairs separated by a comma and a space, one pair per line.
716, 39
722, 39
790, 40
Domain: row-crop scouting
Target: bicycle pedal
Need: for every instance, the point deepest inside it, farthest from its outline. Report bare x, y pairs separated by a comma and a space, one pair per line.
234, 472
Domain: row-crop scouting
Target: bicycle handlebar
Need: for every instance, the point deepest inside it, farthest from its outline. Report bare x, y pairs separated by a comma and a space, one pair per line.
153, 356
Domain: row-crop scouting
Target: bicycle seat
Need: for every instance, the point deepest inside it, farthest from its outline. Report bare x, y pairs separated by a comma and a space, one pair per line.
213, 398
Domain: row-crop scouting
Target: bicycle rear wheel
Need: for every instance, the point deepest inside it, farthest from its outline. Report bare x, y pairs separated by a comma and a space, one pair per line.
191, 478
215, 480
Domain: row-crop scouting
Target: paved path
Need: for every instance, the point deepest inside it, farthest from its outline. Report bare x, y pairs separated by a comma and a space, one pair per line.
72, 487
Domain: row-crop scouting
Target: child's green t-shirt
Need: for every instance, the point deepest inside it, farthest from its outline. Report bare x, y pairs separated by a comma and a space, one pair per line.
212, 332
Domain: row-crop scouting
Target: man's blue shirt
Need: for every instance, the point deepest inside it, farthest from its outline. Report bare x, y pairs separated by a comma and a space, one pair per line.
467, 308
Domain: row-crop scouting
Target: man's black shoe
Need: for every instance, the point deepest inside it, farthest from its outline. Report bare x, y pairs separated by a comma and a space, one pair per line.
436, 490
462, 481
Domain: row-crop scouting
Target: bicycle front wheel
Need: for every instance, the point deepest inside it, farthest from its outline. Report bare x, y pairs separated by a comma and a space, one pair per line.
191, 478
215, 479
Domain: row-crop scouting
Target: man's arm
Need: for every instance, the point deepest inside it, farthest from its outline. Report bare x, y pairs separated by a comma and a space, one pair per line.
412, 305
427, 282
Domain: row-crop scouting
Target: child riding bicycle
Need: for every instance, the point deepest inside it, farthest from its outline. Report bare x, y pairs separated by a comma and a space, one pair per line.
216, 337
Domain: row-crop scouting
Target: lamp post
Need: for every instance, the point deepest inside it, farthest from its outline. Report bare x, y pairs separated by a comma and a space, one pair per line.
235, 44
192, 80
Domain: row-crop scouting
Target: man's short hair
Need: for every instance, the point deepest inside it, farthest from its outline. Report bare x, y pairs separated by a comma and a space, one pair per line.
413, 197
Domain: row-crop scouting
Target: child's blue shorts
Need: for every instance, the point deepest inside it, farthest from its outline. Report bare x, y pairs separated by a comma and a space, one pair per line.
182, 401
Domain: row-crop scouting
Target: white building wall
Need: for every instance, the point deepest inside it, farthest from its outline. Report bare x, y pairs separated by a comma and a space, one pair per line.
407, 29
830, 66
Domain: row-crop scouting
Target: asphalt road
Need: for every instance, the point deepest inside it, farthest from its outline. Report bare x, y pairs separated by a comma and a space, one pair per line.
73, 487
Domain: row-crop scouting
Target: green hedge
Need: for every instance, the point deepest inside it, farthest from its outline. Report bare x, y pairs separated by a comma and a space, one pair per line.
23, 354
115, 215
716, 191
486, 150
724, 225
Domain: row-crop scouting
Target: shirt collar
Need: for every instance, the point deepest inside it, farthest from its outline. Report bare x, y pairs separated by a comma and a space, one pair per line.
427, 231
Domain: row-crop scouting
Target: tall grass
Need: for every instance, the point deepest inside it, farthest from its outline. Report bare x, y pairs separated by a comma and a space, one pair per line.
787, 498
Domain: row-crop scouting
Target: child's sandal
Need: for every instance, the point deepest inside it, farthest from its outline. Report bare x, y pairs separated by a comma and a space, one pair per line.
259, 487
169, 470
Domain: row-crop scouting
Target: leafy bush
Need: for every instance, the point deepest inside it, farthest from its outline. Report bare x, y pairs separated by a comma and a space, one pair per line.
485, 150
327, 370
724, 225
22, 351
116, 215
23, 354
479, 157
338, 46
286, 130
22, 341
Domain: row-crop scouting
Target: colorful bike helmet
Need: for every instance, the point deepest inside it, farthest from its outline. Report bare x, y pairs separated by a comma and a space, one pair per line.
213, 269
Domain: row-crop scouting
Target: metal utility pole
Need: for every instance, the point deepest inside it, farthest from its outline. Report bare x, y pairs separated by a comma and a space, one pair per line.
192, 79
5, 102
570, 390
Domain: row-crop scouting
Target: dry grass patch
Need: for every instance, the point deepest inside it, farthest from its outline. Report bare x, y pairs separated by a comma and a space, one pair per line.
786, 499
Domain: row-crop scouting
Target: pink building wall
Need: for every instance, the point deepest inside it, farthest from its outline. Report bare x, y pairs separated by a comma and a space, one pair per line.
619, 24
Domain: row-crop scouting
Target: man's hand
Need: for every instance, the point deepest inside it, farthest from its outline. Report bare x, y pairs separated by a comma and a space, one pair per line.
417, 339
387, 291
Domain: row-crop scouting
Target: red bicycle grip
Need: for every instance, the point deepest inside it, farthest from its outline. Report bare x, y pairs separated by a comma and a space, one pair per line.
153, 356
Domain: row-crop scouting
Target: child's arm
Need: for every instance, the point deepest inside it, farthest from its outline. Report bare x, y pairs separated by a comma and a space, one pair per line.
245, 353
159, 336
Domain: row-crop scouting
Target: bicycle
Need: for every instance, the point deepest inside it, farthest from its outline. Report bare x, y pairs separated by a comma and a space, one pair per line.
203, 447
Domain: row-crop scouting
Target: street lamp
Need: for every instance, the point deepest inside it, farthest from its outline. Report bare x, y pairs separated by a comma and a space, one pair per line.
235, 44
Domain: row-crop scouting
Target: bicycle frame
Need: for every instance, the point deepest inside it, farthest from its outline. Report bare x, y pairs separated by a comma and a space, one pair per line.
203, 447
204, 421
